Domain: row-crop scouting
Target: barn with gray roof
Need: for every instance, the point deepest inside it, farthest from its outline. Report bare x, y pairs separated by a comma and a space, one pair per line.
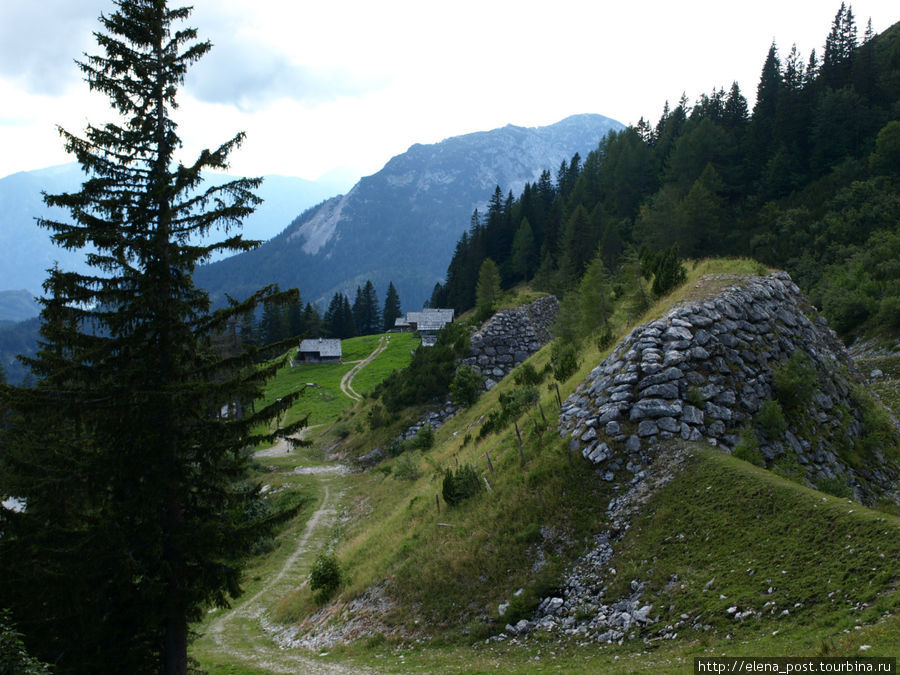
320, 350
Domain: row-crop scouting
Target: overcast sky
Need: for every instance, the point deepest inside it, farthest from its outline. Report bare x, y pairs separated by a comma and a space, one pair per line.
324, 84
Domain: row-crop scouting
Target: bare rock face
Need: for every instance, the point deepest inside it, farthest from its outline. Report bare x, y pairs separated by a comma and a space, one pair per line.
705, 370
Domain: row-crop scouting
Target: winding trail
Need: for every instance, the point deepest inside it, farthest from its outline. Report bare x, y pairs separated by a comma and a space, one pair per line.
347, 380
244, 632
282, 447
241, 631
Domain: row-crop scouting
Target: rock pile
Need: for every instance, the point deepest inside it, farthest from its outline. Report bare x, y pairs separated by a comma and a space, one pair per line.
582, 609
434, 418
705, 369
511, 336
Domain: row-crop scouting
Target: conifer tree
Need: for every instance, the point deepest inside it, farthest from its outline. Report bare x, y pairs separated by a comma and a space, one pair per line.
487, 292
312, 320
522, 252
129, 453
338, 320
392, 310
348, 325
839, 47
293, 318
595, 295
768, 92
366, 316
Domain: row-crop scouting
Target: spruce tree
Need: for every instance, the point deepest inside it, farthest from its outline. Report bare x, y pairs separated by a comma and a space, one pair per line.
522, 252
366, 315
333, 319
347, 324
595, 296
130, 452
392, 310
488, 289
312, 320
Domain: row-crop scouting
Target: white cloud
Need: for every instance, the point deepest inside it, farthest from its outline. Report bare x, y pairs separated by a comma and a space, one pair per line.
39, 42
322, 84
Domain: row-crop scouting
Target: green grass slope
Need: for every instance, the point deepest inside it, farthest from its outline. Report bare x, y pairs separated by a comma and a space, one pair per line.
323, 400
819, 575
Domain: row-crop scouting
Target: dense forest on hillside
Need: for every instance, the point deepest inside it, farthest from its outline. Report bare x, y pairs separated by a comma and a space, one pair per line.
806, 181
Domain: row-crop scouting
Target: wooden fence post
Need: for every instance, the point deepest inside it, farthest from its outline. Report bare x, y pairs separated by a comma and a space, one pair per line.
519, 436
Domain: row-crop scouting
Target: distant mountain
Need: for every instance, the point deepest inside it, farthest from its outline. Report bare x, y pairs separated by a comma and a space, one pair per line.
26, 251
401, 224
17, 306
15, 339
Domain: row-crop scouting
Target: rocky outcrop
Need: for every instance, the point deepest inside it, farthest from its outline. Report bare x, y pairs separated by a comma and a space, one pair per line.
705, 370
511, 336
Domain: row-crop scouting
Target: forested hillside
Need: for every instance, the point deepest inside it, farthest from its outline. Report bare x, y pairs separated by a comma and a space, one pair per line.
807, 181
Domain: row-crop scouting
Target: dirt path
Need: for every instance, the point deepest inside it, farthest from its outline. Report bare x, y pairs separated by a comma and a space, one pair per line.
347, 380
282, 447
240, 632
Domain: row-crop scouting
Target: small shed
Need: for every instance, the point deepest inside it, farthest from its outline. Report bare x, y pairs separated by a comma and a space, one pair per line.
320, 350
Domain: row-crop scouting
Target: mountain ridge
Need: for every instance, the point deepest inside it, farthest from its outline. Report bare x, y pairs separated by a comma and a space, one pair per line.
400, 224
26, 251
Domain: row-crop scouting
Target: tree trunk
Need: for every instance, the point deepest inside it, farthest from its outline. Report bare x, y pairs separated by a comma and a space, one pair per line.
175, 655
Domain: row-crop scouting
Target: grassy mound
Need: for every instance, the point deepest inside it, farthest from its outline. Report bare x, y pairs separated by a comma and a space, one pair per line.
727, 538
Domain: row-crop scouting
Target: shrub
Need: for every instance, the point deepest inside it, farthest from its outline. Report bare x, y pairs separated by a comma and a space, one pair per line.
512, 405
526, 375
398, 447
771, 419
878, 433
377, 416
564, 357
836, 487
668, 272
605, 339
424, 438
521, 606
429, 374
694, 397
795, 381
747, 448
407, 466
460, 485
466, 385
531, 534
889, 312
14, 658
325, 577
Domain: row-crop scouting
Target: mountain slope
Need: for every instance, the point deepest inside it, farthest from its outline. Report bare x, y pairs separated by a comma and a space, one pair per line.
26, 251
691, 544
401, 223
